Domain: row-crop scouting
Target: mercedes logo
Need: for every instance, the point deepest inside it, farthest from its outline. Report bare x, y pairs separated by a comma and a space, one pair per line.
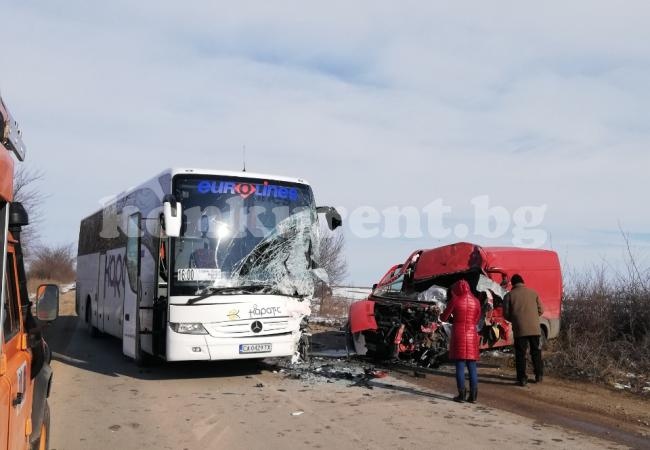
256, 326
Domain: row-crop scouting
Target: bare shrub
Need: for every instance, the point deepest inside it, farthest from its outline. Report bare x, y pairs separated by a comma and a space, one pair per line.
331, 248
28, 192
605, 325
334, 307
53, 263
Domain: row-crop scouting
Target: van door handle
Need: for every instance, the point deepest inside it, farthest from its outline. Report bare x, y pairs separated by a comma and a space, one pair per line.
18, 400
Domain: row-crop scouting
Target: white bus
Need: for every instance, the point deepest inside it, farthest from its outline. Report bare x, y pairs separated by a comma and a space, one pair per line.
202, 265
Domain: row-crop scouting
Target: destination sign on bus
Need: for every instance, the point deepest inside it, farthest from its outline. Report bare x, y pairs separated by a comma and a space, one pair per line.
245, 190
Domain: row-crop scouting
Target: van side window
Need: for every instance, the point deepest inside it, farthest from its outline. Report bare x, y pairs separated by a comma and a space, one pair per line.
11, 325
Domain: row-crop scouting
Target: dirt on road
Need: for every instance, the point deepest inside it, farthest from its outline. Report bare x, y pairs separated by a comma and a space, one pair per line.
585, 407
100, 399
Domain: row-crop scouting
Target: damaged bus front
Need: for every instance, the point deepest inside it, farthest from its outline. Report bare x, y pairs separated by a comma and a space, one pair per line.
244, 268
400, 319
223, 266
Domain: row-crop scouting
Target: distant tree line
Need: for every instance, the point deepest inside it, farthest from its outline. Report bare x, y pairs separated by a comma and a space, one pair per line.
44, 261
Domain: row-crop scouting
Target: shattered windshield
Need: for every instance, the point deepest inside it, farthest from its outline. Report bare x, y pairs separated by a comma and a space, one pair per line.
244, 235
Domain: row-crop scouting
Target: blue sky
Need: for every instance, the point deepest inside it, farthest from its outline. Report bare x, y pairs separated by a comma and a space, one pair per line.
375, 103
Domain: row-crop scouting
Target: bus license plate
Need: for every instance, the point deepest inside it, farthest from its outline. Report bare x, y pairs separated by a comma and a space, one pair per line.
255, 348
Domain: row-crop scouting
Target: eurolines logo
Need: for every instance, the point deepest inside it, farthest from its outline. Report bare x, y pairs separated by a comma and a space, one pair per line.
245, 190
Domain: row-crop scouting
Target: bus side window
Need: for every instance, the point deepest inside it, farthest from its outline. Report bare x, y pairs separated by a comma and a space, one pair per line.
133, 250
11, 325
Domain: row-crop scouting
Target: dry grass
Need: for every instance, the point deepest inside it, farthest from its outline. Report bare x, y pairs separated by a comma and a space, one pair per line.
334, 307
605, 329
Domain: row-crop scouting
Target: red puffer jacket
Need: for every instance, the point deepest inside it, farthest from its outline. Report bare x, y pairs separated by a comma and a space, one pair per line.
466, 310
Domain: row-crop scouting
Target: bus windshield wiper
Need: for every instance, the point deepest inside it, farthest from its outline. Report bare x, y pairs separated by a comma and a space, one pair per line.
210, 291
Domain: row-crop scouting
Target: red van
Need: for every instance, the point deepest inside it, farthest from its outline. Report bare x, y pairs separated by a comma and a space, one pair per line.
400, 317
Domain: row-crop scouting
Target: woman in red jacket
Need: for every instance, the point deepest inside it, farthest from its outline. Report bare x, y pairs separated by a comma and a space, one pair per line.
463, 347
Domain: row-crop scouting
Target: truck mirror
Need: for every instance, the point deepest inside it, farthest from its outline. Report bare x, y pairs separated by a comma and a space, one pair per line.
332, 216
47, 302
173, 214
18, 217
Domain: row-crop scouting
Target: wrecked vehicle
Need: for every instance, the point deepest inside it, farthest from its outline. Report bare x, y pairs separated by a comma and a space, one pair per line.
198, 264
400, 318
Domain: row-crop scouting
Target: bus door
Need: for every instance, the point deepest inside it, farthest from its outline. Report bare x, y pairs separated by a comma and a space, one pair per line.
133, 289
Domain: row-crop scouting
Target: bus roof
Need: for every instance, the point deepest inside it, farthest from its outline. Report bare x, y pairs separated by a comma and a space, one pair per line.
172, 172
229, 173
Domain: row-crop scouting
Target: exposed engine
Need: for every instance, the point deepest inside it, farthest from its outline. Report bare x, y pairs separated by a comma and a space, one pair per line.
411, 332
408, 327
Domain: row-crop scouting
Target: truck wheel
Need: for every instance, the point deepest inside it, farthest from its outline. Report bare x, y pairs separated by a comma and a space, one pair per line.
43, 441
92, 330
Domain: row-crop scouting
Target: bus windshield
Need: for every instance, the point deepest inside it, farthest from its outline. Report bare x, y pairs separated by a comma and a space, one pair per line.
244, 234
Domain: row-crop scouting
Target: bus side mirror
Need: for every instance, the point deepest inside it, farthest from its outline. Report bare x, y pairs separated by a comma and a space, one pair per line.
332, 216
47, 302
173, 214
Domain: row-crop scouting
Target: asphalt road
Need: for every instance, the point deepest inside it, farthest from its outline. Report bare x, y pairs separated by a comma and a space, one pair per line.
102, 400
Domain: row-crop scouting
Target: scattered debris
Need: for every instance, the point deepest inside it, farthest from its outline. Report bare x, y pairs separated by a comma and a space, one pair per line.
330, 370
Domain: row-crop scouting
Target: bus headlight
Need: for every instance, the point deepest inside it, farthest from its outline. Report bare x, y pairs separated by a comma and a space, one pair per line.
188, 328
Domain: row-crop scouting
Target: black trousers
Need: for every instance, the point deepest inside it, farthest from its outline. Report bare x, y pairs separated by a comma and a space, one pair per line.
521, 346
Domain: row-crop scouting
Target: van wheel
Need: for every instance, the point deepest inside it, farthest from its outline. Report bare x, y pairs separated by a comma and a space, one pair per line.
349, 343
92, 330
43, 441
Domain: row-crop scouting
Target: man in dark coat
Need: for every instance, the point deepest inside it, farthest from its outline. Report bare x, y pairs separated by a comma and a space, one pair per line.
523, 309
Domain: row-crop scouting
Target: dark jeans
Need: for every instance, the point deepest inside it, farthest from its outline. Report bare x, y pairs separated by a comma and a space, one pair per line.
521, 346
460, 374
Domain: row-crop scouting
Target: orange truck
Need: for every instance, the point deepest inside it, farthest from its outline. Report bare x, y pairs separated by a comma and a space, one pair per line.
25, 373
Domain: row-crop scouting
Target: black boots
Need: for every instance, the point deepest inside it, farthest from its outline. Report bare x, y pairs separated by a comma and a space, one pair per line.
464, 395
